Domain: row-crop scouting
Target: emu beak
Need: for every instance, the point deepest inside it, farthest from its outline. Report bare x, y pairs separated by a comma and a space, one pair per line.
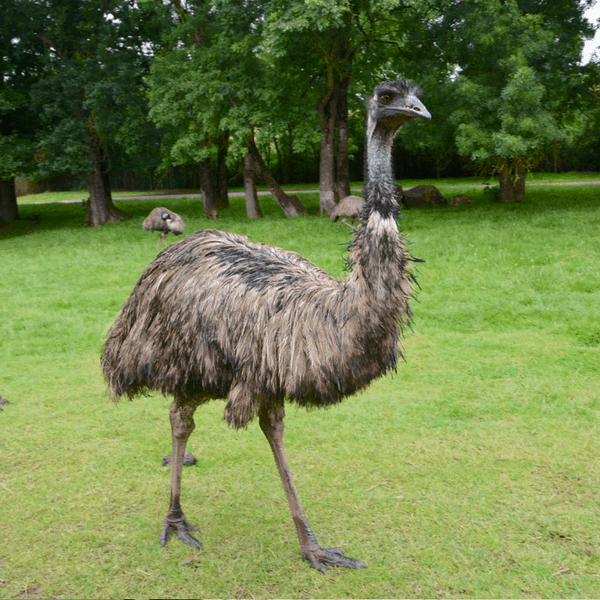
413, 107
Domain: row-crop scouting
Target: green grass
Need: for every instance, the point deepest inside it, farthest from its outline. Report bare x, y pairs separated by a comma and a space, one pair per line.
472, 472
447, 184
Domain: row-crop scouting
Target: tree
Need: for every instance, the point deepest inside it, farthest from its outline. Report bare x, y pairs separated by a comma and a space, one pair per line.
14, 151
513, 82
209, 90
20, 67
92, 93
588, 143
326, 39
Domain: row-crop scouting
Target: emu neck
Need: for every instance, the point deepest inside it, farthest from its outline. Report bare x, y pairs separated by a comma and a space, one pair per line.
377, 255
379, 175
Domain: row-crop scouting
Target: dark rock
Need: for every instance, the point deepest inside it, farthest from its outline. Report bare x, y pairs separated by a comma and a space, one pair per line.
188, 459
423, 196
3, 400
460, 199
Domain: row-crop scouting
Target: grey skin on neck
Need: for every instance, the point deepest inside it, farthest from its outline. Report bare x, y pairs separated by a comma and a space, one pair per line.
393, 104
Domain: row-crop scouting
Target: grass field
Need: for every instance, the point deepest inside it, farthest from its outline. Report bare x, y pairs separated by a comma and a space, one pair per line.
472, 472
450, 185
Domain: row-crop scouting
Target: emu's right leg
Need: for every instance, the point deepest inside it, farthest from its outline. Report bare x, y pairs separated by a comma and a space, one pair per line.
182, 425
271, 423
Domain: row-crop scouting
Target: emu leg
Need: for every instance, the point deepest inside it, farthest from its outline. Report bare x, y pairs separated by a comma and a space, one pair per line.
271, 423
182, 425
351, 226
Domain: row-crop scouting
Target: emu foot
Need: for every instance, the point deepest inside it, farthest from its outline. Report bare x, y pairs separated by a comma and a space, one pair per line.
332, 557
181, 528
317, 556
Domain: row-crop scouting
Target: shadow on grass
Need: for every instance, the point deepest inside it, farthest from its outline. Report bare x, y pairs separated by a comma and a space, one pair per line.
67, 215
24, 226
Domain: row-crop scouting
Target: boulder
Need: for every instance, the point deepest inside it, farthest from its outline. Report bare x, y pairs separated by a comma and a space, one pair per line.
188, 459
423, 196
460, 199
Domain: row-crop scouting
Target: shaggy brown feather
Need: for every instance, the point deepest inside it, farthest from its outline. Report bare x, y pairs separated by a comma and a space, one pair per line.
283, 326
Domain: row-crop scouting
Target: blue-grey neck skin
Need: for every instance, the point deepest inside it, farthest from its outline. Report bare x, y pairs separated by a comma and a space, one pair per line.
379, 187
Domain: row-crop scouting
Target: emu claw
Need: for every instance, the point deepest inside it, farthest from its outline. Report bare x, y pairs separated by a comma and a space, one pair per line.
181, 528
332, 557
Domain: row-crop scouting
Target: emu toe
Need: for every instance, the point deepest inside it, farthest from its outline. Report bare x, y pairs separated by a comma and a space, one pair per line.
332, 557
181, 528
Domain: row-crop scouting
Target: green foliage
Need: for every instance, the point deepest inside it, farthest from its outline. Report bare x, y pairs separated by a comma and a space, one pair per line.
19, 69
472, 472
214, 75
509, 126
501, 79
14, 155
92, 86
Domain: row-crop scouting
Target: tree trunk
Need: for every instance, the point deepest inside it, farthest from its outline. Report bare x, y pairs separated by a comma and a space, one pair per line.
507, 191
252, 205
519, 184
207, 189
9, 210
290, 204
343, 167
99, 207
512, 190
222, 172
327, 118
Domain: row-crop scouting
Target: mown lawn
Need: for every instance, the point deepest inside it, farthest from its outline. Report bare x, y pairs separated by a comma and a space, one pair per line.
449, 184
472, 472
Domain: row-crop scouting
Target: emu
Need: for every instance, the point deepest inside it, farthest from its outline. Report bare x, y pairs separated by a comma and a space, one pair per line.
349, 207
218, 316
163, 220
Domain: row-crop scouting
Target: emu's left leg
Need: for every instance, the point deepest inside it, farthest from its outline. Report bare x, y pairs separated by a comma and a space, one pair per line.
182, 425
271, 423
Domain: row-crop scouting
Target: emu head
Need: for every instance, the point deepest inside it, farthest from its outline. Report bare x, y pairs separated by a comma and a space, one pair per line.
393, 104
173, 222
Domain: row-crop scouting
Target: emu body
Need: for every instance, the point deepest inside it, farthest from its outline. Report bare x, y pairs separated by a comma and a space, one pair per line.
266, 323
165, 221
349, 207
218, 316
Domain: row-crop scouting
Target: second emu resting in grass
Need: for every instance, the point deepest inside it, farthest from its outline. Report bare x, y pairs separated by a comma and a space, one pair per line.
217, 316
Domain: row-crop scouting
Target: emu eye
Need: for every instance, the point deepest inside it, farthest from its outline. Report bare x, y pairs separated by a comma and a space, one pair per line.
166, 216
386, 98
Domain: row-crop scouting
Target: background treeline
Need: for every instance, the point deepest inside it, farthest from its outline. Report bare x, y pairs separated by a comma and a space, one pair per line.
212, 93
